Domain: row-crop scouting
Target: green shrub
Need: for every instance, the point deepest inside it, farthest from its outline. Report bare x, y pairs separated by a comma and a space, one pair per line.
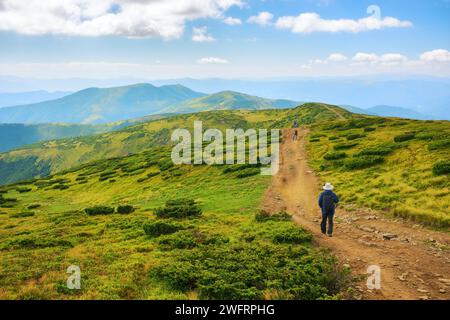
355, 136
363, 162
292, 235
250, 270
314, 140
165, 164
263, 215
180, 208
99, 210
33, 206
335, 155
404, 137
184, 239
248, 173
375, 151
125, 209
344, 146
441, 167
157, 228
369, 129
22, 215
23, 189
439, 145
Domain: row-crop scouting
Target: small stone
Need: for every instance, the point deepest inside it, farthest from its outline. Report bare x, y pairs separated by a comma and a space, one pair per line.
422, 290
447, 281
424, 298
389, 236
442, 290
346, 265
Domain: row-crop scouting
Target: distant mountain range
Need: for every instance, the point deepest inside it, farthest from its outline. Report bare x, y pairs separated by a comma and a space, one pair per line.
229, 100
16, 98
95, 105
389, 111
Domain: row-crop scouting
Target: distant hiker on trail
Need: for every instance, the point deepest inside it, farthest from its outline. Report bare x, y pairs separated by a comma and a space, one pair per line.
295, 133
327, 202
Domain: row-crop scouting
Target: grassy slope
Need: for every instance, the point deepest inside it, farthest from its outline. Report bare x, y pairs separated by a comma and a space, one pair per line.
100, 105
117, 259
404, 183
14, 136
54, 156
229, 100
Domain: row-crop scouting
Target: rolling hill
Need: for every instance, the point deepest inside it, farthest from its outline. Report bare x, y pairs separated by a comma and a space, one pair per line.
13, 136
229, 100
140, 227
95, 105
48, 157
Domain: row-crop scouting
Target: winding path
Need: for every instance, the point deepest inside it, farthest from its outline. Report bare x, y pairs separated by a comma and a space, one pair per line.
414, 265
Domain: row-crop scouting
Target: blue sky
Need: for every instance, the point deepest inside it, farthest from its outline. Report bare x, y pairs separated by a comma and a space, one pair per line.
223, 38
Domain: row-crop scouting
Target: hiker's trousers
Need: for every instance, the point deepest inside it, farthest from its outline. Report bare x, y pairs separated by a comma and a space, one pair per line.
327, 217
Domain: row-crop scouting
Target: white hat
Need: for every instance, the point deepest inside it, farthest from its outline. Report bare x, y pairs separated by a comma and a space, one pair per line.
328, 186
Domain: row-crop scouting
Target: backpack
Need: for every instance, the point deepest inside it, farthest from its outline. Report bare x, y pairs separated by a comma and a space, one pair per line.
328, 202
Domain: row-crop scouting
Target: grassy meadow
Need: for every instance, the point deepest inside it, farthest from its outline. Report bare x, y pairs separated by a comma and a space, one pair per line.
397, 166
229, 251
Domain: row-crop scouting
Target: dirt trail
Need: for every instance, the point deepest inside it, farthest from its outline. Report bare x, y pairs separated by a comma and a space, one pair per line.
414, 265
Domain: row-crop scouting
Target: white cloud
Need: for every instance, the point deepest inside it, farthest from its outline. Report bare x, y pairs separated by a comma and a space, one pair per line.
129, 18
438, 55
202, 35
263, 18
312, 22
232, 21
337, 57
212, 60
387, 58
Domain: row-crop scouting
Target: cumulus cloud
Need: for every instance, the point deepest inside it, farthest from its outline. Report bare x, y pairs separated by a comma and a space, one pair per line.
263, 18
129, 18
337, 57
202, 35
212, 60
232, 21
438, 55
387, 58
310, 22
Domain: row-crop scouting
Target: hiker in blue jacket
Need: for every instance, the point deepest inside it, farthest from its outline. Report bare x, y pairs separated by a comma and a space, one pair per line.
327, 202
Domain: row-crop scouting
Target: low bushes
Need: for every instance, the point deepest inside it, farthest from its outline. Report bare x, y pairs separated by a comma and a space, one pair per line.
248, 173
441, 167
157, 228
181, 208
125, 209
33, 206
376, 151
344, 146
250, 271
103, 210
404, 137
355, 136
22, 215
99, 210
263, 215
23, 189
292, 235
335, 156
439, 145
363, 162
